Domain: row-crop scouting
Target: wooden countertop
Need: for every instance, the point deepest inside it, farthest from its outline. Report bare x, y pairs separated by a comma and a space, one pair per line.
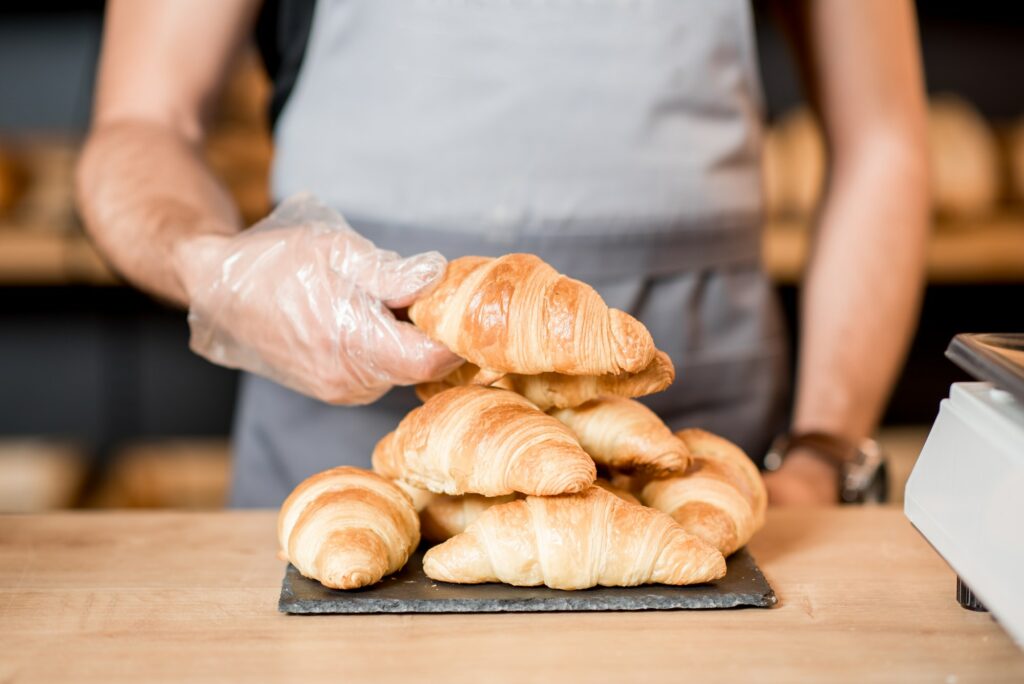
168, 596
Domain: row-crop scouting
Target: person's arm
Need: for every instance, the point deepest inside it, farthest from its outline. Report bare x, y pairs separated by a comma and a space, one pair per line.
863, 285
143, 186
303, 299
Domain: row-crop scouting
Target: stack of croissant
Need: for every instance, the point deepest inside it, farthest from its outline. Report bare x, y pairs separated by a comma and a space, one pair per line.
499, 466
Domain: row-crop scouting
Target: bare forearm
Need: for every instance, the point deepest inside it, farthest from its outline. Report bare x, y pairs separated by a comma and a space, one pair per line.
861, 292
142, 190
862, 289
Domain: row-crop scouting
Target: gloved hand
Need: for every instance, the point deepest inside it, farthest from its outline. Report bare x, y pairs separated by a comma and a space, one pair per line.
303, 299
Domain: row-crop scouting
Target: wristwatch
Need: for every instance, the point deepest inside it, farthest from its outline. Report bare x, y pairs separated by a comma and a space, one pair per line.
860, 466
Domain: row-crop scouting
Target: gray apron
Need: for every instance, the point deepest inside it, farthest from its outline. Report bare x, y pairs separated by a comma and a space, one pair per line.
617, 139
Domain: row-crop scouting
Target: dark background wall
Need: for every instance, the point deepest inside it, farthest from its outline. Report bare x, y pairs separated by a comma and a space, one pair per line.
107, 364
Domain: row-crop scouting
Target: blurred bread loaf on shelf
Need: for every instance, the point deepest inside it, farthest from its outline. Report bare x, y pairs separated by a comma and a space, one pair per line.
1014, 151
793, 165
965, 169
239, 147
178, 473
773, 173
246, 94
13, 181
37, 184
241, 159
806, 160
39, 475
964, 159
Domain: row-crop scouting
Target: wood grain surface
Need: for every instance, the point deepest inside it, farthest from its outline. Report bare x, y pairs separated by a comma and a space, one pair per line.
109, 597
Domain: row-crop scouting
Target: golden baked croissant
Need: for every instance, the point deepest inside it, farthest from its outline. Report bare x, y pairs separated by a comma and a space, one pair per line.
347, 528
624, 435
618, 491
446, 516
574, 541
420, 497
443, 516
516, 314
721, 498
482, 440
557, 390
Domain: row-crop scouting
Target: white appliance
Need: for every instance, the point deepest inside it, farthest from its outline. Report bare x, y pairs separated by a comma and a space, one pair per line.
966, 492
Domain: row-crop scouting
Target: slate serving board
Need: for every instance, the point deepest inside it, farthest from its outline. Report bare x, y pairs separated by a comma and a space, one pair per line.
411, 591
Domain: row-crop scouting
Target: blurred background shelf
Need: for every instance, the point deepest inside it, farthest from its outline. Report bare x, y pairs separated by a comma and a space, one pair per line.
986, 250
36, 257
178, 473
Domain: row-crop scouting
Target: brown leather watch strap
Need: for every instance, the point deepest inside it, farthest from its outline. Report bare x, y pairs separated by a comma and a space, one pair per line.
832, 449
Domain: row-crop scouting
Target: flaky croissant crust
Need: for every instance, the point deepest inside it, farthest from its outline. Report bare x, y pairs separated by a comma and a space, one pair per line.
721, 498
482, 440
558, 390
574, 541
624, 435
347, 528
443, 516
516, 314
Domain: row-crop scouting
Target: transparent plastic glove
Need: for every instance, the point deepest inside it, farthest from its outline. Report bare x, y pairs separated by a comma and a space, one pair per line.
304, 300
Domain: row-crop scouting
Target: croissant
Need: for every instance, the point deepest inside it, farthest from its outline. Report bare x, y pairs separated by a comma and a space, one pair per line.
420, 498
516, 314
574, 541
618, 491
482, 440
446, 516
557, 390
347, 528
721, 498
466, 374
443, 516
624, 435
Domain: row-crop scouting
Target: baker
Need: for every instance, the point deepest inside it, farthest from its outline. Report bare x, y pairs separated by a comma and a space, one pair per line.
617, 139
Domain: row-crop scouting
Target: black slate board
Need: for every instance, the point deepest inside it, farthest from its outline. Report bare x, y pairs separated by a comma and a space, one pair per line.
411, 591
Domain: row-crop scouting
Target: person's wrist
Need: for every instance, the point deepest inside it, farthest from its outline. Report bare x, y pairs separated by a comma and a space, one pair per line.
192, 255
816, 473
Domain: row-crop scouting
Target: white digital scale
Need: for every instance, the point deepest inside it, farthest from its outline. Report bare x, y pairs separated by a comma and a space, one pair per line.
966, 492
